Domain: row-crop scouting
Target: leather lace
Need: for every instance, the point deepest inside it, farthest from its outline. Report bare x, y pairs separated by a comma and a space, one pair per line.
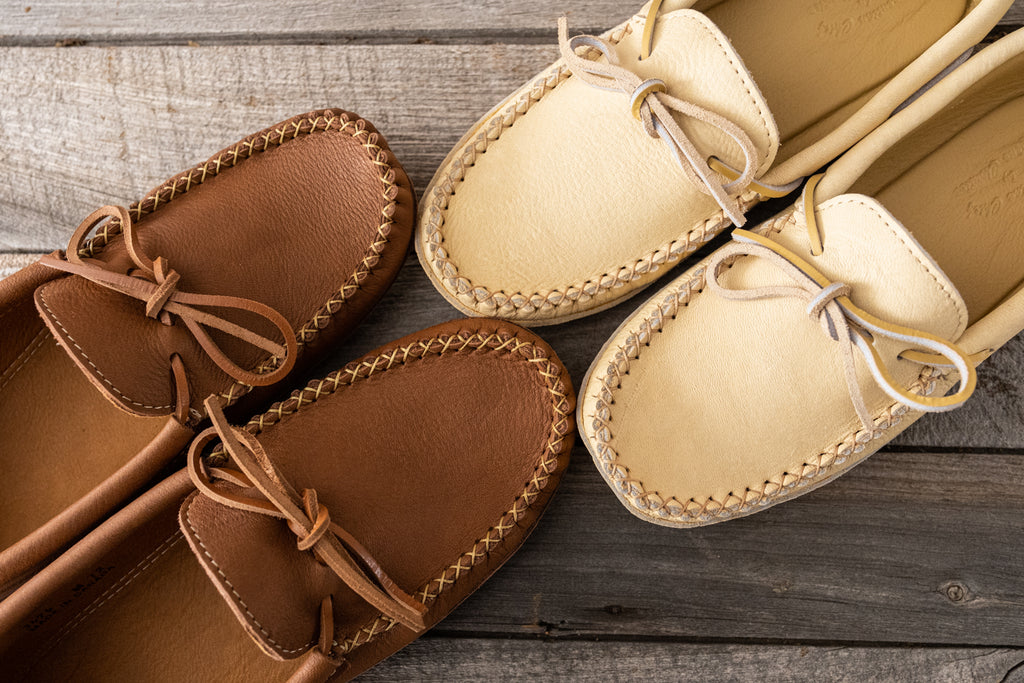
652, 105
829, 304
806, 214
155, 283
306, 517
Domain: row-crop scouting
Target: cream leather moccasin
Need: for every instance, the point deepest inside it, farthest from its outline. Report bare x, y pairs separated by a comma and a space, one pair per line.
797, 350
634, 149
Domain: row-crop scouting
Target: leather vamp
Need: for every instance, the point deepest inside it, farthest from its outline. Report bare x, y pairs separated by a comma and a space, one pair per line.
287, 227
578, 171
891, 275
700, 65
757, 387
419, 462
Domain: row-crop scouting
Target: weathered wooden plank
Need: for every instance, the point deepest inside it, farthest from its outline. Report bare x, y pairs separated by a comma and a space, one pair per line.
261, 20
9, 263
91, 126
85, 127
907, 548
465, 659
992, 419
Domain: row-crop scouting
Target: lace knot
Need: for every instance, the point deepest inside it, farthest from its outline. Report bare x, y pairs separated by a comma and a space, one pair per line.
656, 114
817, 306
155, 284
638, 100
304, 515
318, 516
853, 329
166, 280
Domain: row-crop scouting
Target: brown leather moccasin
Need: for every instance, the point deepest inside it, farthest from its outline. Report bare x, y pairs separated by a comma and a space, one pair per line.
331, 530
216, 283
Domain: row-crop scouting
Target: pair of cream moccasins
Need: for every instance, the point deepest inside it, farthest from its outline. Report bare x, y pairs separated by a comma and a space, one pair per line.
803, 345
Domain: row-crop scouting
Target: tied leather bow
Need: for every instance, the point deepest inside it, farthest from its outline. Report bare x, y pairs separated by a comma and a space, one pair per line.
651, 104
829, 304
307, 518
156, 284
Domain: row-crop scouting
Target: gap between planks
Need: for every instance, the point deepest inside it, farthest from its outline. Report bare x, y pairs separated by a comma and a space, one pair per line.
132, 22
991, 422
475, 659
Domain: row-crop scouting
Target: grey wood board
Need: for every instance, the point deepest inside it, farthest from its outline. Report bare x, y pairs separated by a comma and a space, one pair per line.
907, 548
465, 659
72, 140
913, 546
91, 126
872, 556
993, 418
262, 20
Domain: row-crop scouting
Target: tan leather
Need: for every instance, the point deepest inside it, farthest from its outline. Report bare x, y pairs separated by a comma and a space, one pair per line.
701, 409
154, 283
437, 453
308, 220
558, 203
250, 482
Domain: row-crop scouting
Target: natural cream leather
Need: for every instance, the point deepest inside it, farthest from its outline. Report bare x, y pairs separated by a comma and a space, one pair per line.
598, 144
701, 408
974, 117
558, 204
971, 219
811, 59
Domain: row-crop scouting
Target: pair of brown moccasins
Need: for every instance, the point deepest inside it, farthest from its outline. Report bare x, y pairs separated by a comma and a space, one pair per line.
337, 525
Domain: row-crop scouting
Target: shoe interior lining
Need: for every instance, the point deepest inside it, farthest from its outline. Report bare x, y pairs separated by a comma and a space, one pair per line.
817, 61
48, 410
957, 183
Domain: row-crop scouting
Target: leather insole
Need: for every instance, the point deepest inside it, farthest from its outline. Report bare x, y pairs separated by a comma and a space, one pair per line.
812, 57
964, 203
61, 437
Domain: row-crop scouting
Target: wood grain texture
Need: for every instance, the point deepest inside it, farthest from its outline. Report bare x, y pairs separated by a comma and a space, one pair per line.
993, 418
920, 544
304, 20
908, 547
463, 659
921, 548
91, 126
9, 263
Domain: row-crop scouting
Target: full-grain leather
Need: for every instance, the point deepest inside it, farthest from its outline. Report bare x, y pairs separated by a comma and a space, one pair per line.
452, 428
558, 204
731, 394
301, 214
311, 217
701, 408
547, 169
